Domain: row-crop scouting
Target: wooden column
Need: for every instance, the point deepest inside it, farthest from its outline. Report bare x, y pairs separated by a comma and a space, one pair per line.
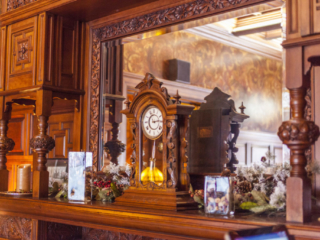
42, 144
299, 134
6, 144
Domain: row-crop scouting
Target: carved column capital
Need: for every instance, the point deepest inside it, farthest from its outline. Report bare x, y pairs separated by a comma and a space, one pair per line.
300, 132
42, 142
6, 144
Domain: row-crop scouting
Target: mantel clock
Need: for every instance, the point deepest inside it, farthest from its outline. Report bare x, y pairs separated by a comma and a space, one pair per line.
159, 124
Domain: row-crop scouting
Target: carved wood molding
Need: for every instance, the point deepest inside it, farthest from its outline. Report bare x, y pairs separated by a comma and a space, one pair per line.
138, 24
96, 234
14, 4
15, 227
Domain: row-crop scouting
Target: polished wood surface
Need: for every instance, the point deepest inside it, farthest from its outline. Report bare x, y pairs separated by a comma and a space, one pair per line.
153, 223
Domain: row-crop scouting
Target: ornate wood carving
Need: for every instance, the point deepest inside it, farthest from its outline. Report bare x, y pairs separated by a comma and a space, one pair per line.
299, 134
97, 234
141, 23
172, 161
308, 116
95, 99
42, 143
6, 144
133, 158
15, 228
14, 4
23, 51
63, 231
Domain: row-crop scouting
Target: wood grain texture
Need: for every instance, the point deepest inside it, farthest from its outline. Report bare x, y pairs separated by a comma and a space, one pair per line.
141, 23
15, 227
162, 224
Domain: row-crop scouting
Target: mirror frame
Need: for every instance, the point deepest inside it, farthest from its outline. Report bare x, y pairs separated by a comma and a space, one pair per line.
155, 19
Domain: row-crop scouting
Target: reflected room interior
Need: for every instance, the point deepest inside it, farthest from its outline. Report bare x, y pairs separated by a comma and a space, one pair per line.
239, 52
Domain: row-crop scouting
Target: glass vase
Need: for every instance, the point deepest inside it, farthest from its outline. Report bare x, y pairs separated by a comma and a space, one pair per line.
218, 195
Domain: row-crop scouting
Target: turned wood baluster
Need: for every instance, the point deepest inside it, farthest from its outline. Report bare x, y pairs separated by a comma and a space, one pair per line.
6, 144
299, 134
114, 147
42, 144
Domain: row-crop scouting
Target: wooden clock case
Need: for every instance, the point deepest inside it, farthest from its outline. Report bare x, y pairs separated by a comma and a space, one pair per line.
173, 192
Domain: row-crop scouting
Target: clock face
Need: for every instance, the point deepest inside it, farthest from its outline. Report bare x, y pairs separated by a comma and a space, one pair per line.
152, 122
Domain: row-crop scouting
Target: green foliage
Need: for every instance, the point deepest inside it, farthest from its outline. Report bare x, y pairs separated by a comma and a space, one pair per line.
248, 205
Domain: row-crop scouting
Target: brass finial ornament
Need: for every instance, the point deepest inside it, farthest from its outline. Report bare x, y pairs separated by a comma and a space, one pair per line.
242, 108
177, 98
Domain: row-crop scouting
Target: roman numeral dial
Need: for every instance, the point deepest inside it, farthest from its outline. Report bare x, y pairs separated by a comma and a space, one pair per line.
152, 122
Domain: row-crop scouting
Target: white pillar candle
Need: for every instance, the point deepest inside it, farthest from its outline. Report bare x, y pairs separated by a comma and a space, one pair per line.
23, 178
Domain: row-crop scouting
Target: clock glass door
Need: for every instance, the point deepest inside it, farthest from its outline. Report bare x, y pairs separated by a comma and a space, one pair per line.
152, 147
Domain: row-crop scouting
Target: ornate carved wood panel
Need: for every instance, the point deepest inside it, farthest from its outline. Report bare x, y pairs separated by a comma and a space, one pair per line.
21, 50
58, 231
138, 24
15, 227
97, 234
13, 4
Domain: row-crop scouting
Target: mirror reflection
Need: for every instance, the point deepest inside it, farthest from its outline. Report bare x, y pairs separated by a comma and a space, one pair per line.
239, 52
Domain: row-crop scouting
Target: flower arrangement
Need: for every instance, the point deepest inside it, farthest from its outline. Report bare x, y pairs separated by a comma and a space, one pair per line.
260, 192
99, 187
112, 185
197, 195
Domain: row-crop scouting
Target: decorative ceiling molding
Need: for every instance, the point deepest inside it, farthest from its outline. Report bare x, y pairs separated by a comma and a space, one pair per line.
146, 22
220, 35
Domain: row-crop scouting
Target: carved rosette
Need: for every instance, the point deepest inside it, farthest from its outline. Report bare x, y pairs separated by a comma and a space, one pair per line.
141, 23
172, 161
42, 142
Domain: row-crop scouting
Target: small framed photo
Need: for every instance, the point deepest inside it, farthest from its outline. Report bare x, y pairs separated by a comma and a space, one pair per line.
58, 170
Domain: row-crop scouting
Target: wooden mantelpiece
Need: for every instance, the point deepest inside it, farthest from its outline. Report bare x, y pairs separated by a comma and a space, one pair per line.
149, 223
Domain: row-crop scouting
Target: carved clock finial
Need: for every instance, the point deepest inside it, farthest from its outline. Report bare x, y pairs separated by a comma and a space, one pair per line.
177, 97
127, 103
242, 108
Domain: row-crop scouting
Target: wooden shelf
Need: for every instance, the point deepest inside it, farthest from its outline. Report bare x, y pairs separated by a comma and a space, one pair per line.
153, 223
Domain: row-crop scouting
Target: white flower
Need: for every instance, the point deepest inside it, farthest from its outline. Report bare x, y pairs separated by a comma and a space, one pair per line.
112, 168
263, 188
124, 181
278, 198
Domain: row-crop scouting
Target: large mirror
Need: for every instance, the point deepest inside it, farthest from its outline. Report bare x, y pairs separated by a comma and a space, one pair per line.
240, 52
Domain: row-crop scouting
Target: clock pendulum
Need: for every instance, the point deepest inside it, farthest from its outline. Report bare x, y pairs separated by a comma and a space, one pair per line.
152, 173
